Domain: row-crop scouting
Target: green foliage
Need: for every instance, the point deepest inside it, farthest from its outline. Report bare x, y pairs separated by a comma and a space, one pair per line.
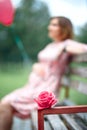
82, 35
30, 24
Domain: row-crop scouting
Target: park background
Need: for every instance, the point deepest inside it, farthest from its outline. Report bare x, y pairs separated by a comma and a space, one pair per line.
21, 42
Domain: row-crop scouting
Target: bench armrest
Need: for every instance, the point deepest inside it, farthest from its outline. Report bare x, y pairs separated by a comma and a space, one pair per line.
59, 110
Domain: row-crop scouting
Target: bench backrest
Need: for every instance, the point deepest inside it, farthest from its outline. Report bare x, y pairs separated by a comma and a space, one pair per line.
77, 76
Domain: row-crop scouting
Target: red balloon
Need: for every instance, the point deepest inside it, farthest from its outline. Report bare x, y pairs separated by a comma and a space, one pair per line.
6, 12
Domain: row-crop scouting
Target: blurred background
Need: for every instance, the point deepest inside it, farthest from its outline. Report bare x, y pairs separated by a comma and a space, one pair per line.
21, 42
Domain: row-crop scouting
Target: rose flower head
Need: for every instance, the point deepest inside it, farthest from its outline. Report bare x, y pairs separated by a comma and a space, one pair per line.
45, 100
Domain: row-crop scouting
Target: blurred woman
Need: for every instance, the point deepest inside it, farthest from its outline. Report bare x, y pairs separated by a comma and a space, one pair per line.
47, 73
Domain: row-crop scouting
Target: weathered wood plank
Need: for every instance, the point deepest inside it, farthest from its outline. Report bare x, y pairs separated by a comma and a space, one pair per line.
67, 102
83, 116
80, 58
79, 71
76, 84
47, 126
34, 120
80, 86
19, 124
65, 81
72, 123
56, 123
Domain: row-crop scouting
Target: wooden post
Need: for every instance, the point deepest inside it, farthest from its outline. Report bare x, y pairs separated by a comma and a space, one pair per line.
40, 120
66, 92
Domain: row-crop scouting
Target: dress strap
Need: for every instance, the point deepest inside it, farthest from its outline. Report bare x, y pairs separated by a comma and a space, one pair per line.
64, 50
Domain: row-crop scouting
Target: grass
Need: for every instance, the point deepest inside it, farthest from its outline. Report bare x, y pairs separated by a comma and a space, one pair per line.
13, 76
75, 96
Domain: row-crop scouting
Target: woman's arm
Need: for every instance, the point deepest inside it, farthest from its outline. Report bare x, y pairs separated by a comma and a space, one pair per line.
75, 47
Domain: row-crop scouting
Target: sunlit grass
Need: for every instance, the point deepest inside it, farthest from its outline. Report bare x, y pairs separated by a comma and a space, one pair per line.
12, 77
74, 96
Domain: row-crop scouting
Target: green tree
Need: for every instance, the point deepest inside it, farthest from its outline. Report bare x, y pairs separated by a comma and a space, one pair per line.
30, 24
82, 35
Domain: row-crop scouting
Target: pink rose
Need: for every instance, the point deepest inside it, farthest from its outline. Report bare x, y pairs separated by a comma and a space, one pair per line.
45, 100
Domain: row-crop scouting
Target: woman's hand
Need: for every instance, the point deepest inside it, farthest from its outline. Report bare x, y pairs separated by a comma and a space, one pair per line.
75, 47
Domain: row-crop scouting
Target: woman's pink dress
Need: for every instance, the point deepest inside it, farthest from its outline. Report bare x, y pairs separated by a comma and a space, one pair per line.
23, 99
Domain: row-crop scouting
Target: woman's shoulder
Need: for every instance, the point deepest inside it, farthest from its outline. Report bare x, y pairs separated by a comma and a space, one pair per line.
49, 44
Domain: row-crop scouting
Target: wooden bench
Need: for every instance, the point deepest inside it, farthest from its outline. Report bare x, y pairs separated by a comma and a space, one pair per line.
68, 115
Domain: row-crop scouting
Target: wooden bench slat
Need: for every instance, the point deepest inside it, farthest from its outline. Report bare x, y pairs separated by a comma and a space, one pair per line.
67, 102
65, 81
82, 87
19, 124
83, 116
34, 120
80, 58
79, 71
56, 123
72, 123
47, 126
74, 83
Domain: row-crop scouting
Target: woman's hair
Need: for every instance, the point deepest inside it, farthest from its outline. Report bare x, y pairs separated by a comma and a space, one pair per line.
66, 27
